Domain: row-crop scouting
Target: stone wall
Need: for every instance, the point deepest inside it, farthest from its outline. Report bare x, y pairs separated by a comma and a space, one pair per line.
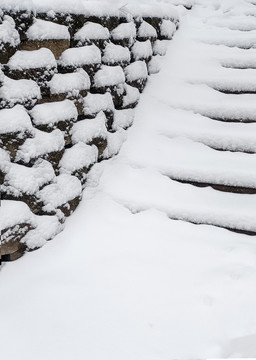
69, 84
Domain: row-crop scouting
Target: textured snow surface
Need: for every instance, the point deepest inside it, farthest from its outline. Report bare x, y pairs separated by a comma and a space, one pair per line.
132, 95
115, 53
32, 59
13, 213
136, 70
65, 188
146, 30
15, 120
18, 91
160, 47
79, 156
80, 56
8, 33
142, 50
109, 76
28, 180
96, 8
47, 30
124, 31
167, 29
123, 119
94, 103
53, 112
69, 83
92, 31
42, 143
124, 280
86, 130
46, 228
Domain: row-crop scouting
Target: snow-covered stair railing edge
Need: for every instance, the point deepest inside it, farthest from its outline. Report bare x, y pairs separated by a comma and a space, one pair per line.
70, 78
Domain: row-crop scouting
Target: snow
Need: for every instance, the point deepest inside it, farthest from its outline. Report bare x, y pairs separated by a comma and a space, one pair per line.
47, 30
19, 91
142, 50
136, 70
132, 95
113, 54
77, 157
92, 31
160, 47
80, 56
154, 65
53, 112
153, 9
4, 162
27, 180
108, 76
32, 59
42, 143
86, 130
69, 83
15, 120
94, 8
13, 213
65, 188
124, 31
46, 228
137, 278
94, 103
167, 29
8, 33
123, 119
115, 142
147, 30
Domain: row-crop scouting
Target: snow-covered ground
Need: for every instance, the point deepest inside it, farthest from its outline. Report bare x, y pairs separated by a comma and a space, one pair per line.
134, 276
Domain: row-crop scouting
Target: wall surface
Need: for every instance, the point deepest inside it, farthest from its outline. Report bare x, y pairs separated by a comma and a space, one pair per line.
69, 83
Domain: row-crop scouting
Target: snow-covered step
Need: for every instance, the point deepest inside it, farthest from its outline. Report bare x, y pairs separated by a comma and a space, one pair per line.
206, 101
140, 189
184, 159
240, 22
227, 37
216, 134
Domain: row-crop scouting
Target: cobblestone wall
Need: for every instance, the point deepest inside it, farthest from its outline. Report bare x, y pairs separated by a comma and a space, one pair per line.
69, 84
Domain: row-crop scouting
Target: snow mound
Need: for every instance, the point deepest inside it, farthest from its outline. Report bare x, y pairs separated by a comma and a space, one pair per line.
15, 120
32, 59
132, 95
146, 30
27, 180
15, 212
80, 56
113, 54
53, 112
109, 76
124, 31
47, 30
66, 188
19, 91
167, 29
92, 31
42, 143
79, 156
115, 142
86, 130
46, 228
142, 50
136, 70
123, 119
69, 83
8, 33
94, 103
